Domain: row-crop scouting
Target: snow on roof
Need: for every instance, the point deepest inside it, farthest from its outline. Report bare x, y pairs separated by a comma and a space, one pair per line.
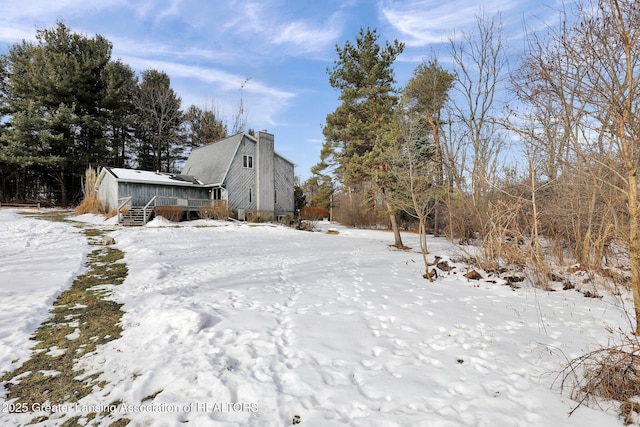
131, 175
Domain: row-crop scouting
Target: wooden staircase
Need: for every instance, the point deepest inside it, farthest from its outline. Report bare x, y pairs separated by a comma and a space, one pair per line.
134, 217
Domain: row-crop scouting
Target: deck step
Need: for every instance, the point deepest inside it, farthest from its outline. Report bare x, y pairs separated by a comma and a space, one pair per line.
134, 217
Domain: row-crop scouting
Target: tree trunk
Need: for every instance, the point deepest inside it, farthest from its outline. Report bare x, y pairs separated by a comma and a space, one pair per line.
423, 246
440, 180
396, 232
64, 200
634, 244
394, 223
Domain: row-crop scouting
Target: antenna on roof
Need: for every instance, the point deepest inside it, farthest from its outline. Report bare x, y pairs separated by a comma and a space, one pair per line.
240, 122
244, 82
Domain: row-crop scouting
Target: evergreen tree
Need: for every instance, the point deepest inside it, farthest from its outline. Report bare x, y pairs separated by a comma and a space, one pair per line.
355, 132
56, 89
203, 126
319, 189
157, 106
121, 89
424, 98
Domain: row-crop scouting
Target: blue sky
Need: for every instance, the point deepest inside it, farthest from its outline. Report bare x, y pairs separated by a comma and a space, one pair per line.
284, 47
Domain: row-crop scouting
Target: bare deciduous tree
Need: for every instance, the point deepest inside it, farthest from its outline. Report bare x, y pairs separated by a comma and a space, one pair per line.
589, 72
416, 172
480, 62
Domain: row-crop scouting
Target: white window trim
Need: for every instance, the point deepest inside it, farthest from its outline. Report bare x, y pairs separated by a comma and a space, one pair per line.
247, 161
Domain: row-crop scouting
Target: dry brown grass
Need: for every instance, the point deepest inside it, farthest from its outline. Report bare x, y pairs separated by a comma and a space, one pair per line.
219, 211
503, 238
90, 203
172, 213
84, 310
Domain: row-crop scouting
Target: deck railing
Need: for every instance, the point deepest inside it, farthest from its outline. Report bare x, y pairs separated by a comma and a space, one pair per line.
122, 203
191, 204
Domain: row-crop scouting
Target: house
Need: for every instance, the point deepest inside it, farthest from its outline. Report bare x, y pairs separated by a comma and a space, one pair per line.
256, 181
138, 192
241, 172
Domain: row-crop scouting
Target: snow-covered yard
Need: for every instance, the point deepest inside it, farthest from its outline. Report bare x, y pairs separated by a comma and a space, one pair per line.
233, 325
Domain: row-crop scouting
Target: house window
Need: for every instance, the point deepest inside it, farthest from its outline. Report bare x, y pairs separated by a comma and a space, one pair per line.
250, 195
275, 196
216, 194
247, 161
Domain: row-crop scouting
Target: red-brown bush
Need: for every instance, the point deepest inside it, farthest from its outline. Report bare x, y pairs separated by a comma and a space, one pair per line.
313, 213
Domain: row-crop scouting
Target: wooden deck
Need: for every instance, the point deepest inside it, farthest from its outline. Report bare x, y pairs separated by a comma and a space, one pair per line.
140, 215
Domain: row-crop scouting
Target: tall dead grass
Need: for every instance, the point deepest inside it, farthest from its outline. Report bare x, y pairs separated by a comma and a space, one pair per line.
90, 203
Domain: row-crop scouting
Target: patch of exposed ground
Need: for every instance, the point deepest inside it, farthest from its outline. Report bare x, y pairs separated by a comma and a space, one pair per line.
82, 318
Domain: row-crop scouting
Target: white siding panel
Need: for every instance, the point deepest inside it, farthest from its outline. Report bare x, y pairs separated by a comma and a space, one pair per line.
108, 191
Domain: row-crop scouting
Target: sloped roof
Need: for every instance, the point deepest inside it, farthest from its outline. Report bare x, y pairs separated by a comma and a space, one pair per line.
149, 177
211, 162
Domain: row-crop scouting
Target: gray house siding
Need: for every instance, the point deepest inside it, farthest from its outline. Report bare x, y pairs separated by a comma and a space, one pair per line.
114, 185
283, 179
240, 180
265, 176
255, 179
211, 162
142, 193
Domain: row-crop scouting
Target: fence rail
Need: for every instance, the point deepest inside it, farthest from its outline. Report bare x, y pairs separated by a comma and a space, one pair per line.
159, 201
20, 205
180, 201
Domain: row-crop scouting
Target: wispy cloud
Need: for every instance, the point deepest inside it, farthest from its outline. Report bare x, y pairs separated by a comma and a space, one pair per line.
20, 21
14, 34
47, 9
223, 80
426, 22
129, 47
173, 9
202, 85
270, 26
309, 37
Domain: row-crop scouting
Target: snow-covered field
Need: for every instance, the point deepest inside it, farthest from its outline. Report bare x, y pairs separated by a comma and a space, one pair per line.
232, 325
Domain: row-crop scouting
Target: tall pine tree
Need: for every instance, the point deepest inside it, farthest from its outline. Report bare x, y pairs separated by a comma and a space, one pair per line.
424, 99
159, 122
355, 132
55, 94
121, 90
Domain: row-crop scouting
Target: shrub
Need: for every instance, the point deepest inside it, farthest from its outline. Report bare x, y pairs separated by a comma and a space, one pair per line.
172, 213
314, 213
610, 373
356, 211
219, 212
